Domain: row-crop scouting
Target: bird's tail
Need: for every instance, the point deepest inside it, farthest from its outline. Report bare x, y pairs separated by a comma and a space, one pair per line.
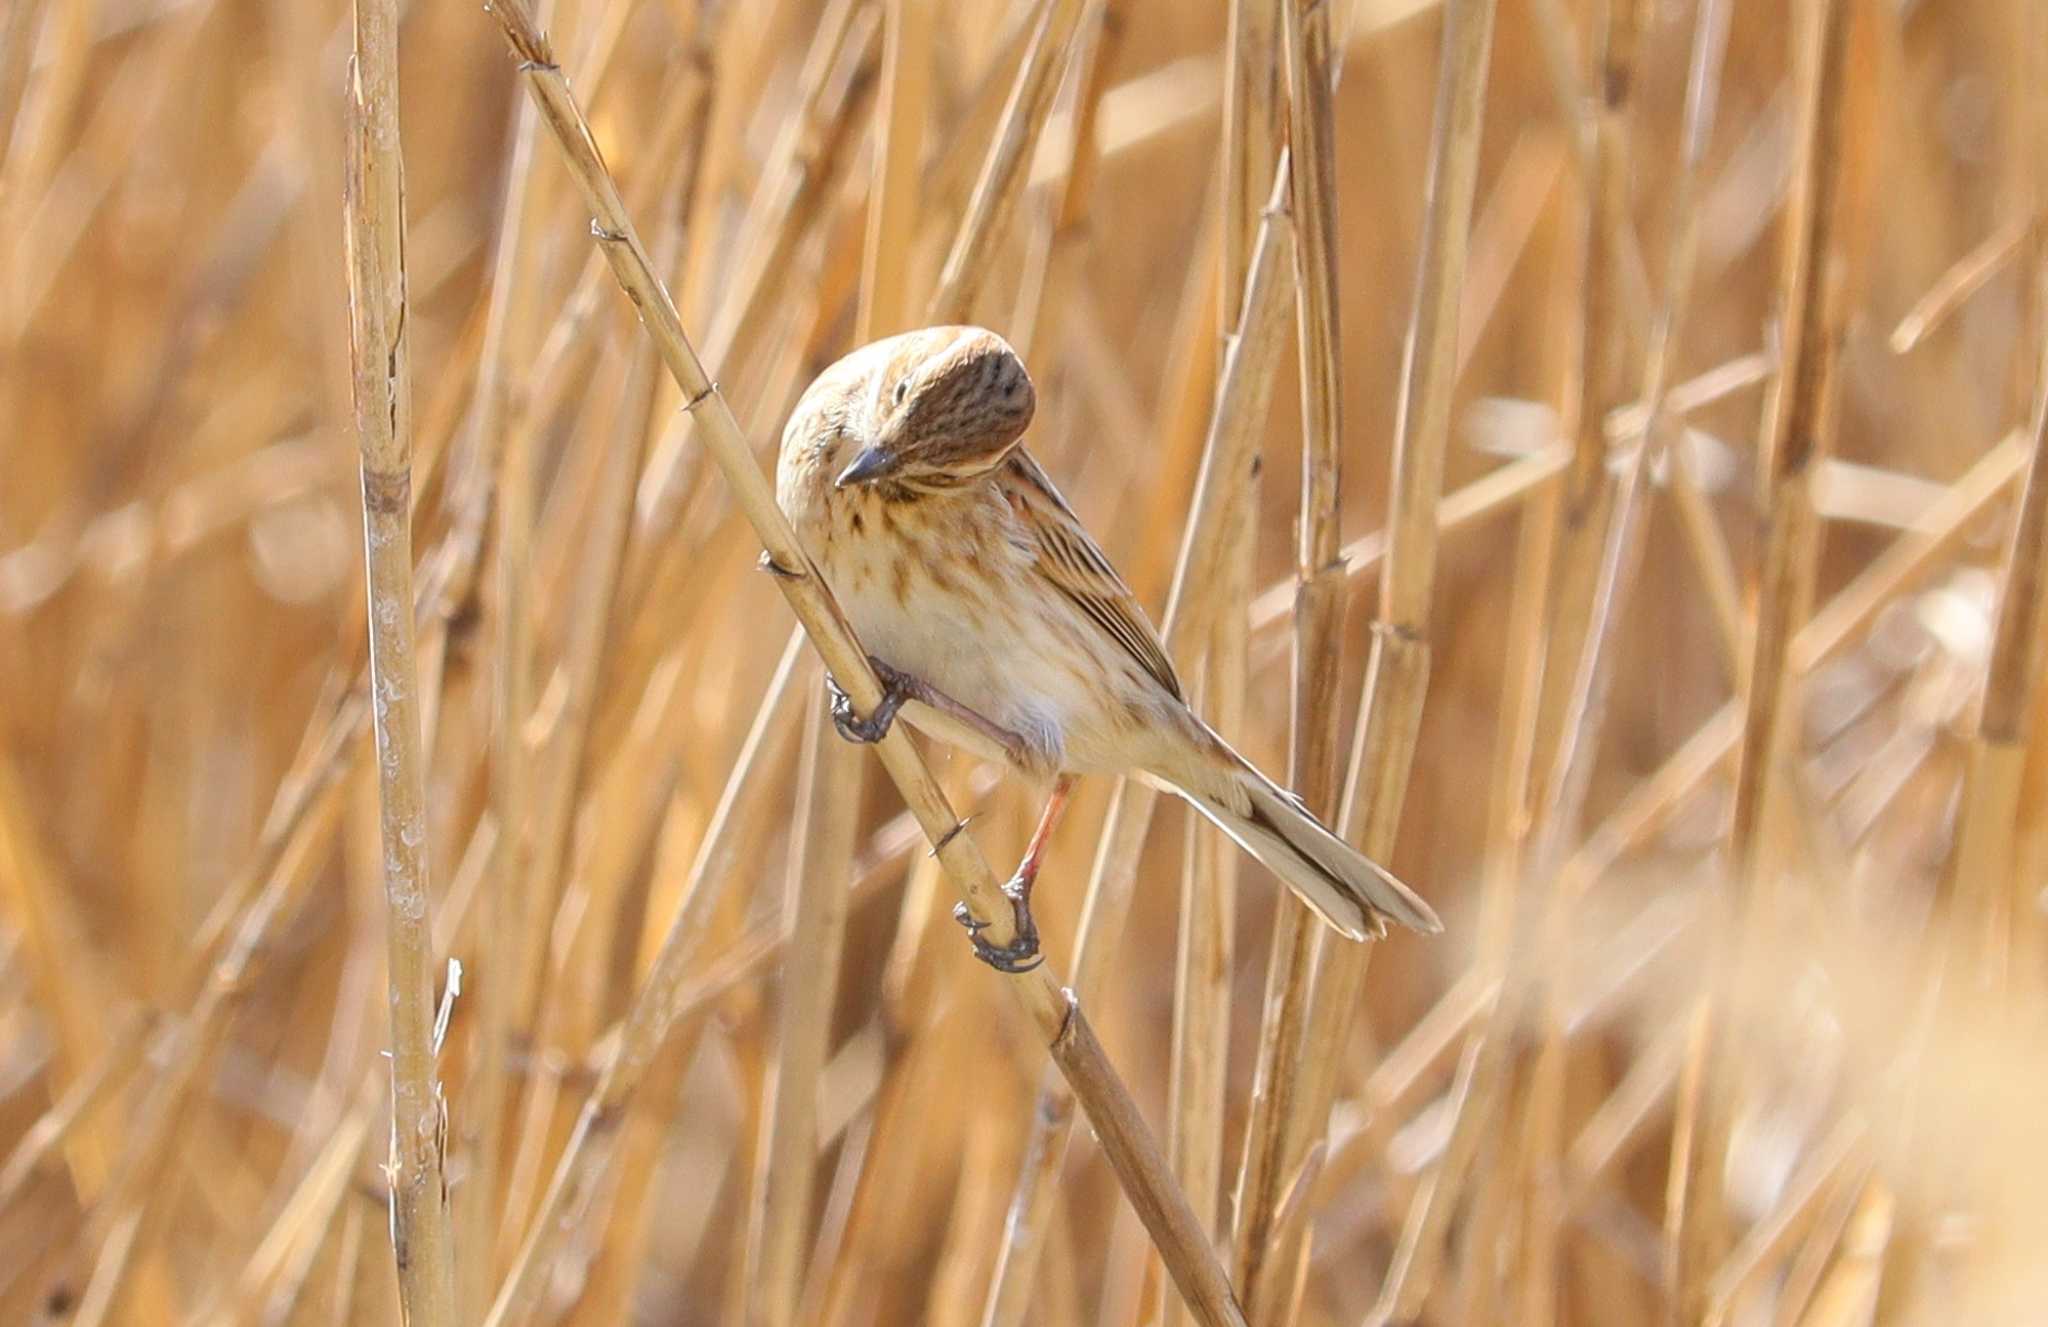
1349, 891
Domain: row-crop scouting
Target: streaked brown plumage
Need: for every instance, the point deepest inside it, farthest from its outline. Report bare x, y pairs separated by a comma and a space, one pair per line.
965, 572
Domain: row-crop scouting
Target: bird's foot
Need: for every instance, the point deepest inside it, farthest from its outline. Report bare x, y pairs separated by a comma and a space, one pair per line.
871, 728
1021, 954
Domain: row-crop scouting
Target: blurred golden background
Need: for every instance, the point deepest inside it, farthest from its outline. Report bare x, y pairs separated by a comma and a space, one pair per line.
1712, 1037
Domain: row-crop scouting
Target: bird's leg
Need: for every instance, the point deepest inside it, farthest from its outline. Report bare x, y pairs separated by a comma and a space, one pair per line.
1034, 852
1019, 751
896, 688
1021, 954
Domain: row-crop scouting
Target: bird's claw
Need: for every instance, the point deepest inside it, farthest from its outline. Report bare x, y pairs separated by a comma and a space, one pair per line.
870, 728
1021, 954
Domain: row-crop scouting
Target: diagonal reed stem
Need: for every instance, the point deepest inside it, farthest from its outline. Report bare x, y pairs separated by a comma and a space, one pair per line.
1053, 1011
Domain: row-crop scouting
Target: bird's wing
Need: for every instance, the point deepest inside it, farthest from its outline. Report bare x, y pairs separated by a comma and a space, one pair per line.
1077, 568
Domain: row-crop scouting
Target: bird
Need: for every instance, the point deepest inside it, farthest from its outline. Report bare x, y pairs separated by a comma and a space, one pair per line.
997, 625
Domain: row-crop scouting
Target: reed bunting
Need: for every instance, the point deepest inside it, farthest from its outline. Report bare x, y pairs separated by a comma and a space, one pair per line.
997, 625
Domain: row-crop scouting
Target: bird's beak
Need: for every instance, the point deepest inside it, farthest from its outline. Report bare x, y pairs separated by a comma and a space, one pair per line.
871, 463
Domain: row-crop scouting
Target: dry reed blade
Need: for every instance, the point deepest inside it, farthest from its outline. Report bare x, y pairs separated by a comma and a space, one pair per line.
29, 887
1586, 500
17, 49
1501, 490
133, 1210
1957, 285
1771, 1238
1913, 556
231, 935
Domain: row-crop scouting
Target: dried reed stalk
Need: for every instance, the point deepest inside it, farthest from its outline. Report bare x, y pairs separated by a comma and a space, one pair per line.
1273, 1141
1323, 981
191, 895
835, 82
1998, 902
1056, 245
1540, 1122
1197, 1090
1587, 495
828, 798
1814, 313
132, 1210
507, 997
656, 1008
1241, 401
904, 107
230, 940
1003, 170
67, 991
420, 1220
17, 49
829, 789
1971, 273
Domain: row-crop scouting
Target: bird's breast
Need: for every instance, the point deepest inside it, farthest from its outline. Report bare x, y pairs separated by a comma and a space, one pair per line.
932, 586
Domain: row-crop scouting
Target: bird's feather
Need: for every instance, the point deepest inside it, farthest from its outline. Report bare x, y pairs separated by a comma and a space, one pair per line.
1071, 561
1350, 891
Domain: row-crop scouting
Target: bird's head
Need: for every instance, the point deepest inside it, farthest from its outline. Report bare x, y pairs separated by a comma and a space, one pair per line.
926, 411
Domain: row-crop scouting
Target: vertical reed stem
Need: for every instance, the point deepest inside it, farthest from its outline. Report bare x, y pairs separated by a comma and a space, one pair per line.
420, 1226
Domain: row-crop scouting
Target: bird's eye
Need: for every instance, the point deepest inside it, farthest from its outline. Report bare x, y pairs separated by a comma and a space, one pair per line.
902, 390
